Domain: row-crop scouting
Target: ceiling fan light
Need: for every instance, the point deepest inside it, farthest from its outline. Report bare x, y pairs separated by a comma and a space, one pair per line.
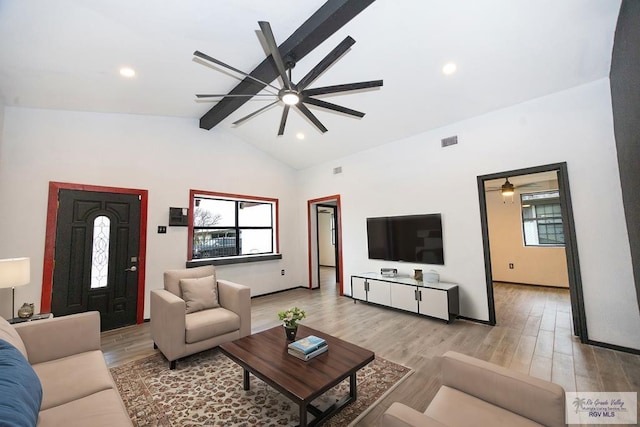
290, 98
507, 188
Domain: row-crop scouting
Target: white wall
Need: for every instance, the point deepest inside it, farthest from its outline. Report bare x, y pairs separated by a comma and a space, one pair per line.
416, 175
167, 156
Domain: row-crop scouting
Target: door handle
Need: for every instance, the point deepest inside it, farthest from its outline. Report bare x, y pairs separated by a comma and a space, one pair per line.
132, 268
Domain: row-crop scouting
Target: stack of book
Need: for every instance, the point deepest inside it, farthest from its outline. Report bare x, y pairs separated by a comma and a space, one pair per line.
308, 348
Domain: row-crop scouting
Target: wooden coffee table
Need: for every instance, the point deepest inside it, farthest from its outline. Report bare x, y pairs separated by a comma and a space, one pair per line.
265, 355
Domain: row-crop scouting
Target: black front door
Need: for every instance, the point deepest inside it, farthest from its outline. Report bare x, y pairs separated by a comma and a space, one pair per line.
96, 256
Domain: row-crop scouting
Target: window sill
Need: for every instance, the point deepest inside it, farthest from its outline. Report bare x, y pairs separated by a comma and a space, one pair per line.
232, 260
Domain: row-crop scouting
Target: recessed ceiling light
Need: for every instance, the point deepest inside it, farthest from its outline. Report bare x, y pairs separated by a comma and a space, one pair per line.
300, 135
127, 72
449, 69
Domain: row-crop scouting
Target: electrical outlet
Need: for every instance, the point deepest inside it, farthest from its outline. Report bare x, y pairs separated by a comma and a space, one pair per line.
510, 266
282, 272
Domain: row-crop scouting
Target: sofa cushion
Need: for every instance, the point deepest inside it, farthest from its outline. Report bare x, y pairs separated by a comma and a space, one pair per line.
210, 323
101, 409
457, 409
20, 388
10, 335
172, 277
199, 293
505, 388
73, 377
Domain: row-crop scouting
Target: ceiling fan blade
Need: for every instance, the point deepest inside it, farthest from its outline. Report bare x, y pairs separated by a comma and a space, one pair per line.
323, 23
224, 95
332, 57
334, 107
529, 185
222, 64
341, 88
275, 53
245, 118
283, 121
304, 110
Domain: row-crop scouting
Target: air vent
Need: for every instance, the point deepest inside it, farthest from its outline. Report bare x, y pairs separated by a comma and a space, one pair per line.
337, 170
452, 140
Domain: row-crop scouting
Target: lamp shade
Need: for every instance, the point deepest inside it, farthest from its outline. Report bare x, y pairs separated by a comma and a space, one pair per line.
14, 272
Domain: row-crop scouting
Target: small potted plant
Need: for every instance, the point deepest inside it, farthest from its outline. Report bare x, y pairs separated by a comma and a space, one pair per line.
290, 320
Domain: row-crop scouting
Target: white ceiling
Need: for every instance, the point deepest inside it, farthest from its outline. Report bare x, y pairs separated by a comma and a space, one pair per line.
532, 181
65, 54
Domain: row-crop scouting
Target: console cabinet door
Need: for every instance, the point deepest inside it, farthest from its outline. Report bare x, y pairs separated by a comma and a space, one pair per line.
379, 292
358, 290
434, 303
403, 297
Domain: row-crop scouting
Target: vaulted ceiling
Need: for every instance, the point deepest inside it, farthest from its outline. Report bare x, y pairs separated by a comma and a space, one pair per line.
66, 54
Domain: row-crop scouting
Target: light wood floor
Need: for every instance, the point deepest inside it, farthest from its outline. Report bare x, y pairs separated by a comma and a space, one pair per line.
533, 335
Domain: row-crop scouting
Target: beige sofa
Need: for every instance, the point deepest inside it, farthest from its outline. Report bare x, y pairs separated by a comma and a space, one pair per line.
478, 393
179, 333
64, 352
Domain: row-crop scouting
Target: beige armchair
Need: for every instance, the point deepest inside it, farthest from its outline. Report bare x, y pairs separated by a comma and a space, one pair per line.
479, 393
186, 318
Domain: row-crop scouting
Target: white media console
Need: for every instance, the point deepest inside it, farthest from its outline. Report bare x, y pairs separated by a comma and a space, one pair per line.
439, 300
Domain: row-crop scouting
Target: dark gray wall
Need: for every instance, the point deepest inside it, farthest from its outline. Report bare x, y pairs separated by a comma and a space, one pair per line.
625, 95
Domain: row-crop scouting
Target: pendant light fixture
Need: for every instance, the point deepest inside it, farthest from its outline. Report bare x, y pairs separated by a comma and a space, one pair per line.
507, 191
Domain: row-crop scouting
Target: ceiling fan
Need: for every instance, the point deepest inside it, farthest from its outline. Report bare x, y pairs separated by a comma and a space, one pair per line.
295, 95
508, 189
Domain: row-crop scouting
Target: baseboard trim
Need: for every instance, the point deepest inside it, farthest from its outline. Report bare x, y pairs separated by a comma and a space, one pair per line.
471, 319
614, 347
530, 284
280, 291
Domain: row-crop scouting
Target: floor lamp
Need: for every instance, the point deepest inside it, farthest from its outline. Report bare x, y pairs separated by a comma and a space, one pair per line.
14, 272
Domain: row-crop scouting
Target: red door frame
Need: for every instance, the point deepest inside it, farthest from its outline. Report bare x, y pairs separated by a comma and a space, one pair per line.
50, 240
310, 204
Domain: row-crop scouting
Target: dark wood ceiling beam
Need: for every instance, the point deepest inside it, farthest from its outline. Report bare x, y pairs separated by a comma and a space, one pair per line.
332, 16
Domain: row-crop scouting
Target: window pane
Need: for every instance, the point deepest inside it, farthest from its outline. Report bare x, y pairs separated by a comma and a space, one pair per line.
100, 252
252, 214
212, 243
210, 212
551, 234
528, 212
542, 219
231, 227
530, 233
256, 242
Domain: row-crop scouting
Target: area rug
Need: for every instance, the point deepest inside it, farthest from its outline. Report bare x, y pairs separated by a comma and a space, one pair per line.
206, 390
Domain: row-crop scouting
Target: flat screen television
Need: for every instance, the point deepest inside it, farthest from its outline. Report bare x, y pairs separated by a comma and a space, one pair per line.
408, 238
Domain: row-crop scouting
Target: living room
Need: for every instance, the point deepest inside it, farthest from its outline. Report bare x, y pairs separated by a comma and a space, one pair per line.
409, 173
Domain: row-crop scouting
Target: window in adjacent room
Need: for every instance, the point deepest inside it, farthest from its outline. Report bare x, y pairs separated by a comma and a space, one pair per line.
226, 225
542, 219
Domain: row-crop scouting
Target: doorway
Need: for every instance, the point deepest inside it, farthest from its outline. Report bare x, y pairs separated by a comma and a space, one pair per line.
94, 259
327, 242
324, 240
562, 225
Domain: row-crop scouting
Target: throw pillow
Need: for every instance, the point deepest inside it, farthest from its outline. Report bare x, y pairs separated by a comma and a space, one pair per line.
199, 294
20, 388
